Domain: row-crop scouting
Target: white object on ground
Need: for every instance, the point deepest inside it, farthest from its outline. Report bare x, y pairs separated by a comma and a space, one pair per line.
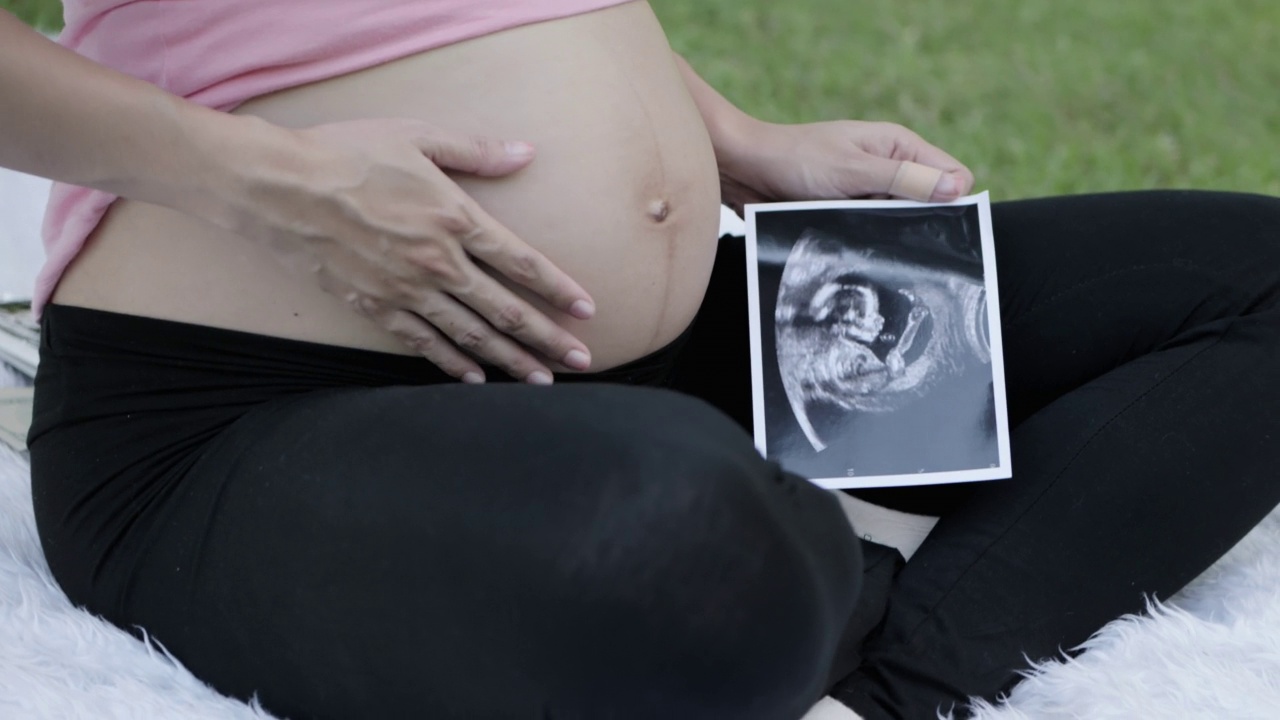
731, 224
883, 526
22, 201
828, 709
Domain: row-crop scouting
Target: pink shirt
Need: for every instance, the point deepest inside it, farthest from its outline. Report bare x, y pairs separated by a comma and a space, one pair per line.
220, 53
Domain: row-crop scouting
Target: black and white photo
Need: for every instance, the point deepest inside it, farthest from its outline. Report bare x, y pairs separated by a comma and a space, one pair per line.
875, 341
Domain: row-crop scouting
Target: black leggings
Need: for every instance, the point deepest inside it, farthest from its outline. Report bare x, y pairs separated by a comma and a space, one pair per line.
345, 536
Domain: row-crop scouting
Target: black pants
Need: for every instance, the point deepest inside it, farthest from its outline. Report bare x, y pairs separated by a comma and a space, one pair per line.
342, 535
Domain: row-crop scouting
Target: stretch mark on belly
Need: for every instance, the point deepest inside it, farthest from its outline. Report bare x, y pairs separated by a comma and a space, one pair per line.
658, 209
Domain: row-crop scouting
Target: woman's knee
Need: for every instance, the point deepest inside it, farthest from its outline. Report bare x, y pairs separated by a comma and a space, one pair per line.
715, 572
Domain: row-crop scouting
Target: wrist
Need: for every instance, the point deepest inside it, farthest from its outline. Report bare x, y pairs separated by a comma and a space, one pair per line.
190, 160
230, 159
732, 132
744, 159
731, 138
737, 142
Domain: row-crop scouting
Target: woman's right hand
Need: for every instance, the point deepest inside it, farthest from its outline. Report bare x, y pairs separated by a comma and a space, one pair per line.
364, 204
367, 207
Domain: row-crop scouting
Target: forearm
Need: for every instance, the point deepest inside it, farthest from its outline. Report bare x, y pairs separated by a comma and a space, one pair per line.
730, 128
768, 162
72, 120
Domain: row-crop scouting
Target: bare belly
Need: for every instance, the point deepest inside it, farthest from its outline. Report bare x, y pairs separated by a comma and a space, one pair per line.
617, 135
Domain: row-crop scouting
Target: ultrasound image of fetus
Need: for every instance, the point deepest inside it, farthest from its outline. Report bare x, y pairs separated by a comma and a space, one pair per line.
864, 332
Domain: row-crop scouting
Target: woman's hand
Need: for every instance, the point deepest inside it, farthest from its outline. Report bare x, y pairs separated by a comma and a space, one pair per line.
834, 160
367, 207
364, 205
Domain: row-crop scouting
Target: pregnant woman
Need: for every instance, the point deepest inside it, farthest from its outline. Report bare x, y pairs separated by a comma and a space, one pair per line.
298, 245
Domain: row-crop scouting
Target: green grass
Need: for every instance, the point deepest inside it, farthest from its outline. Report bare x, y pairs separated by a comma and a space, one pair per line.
43, 14
1037, 96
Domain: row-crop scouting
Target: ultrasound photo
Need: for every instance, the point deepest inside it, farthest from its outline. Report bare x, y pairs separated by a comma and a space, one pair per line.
875, 341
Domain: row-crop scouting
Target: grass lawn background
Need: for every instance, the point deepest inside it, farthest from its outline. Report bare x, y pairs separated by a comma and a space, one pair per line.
1036, 96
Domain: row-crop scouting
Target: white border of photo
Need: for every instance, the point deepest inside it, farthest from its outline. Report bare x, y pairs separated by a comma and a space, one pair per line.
982, 200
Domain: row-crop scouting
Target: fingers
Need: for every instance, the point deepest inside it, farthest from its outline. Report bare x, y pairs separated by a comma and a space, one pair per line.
409, 255
507, 315
905, 165
416, 333
472, 154
473, 335
955, 179
486, 319
511, 316
419, 335
448, 334
468, 318
918, 181
915, 181
919, 150
496, 315
486, 239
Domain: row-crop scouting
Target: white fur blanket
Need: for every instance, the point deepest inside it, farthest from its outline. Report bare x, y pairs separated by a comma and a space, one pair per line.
1211, 653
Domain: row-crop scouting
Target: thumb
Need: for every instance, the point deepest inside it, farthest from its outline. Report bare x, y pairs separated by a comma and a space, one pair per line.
912, 180
476, 155
925, 183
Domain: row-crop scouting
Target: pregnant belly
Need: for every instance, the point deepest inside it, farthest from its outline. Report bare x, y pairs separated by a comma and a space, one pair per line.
623, 194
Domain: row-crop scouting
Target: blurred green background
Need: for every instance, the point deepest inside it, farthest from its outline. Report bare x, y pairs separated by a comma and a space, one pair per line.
1036, 96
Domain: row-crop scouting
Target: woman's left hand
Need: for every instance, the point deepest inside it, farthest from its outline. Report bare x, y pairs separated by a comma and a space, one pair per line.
832, 161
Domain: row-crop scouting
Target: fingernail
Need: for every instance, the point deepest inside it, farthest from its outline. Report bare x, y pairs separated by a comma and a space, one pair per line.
948, 186
518, 149
473, 378
582, 309
538, 377
577, 359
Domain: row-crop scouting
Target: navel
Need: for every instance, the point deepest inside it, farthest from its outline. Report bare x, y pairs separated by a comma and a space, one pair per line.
659, 210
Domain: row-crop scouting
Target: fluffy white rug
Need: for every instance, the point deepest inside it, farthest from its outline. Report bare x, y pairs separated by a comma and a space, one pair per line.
60, 662
1211, 653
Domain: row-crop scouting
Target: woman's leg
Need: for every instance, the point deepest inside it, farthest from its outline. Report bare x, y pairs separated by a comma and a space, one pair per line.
715, 365
1141, 335
581, 551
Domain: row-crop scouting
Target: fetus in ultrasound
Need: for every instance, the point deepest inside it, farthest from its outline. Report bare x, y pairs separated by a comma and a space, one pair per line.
861, 331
